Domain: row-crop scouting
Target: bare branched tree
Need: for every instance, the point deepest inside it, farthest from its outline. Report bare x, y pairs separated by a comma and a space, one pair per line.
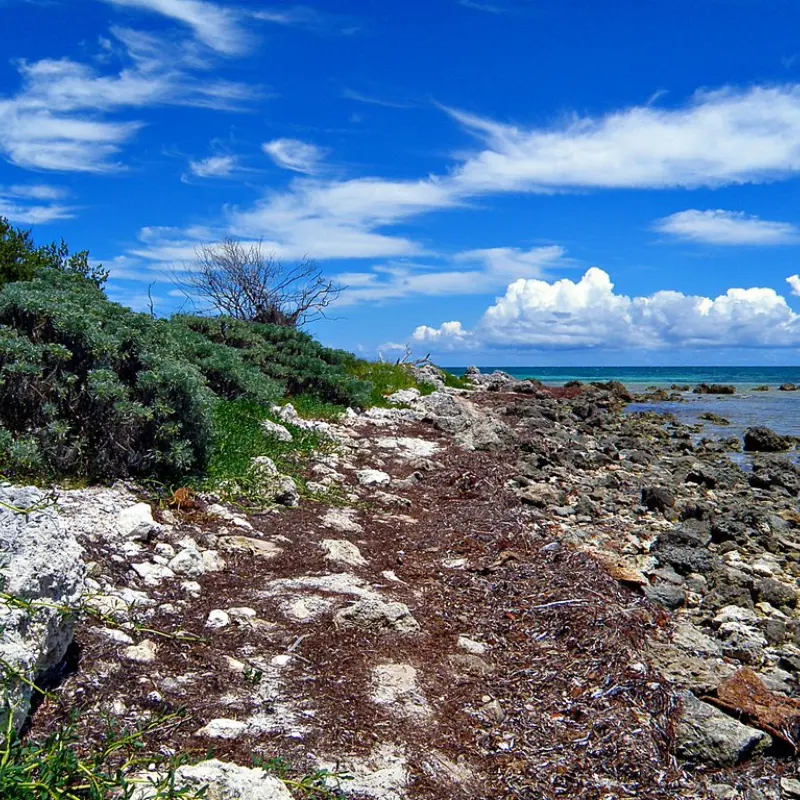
238, 280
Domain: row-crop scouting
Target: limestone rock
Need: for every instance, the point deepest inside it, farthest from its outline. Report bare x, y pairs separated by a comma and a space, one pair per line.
374, 614
189, 563
705, 735
223, 729
40, 562
343, 552
248, 544
275, 431
136, 522
373, 477
143, 653
222, 781
395, 686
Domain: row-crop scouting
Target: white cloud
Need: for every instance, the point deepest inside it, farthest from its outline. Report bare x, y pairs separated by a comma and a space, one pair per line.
794, 283
727, 228
218, 27
294, 155
59, 120
338, 219
717, 138
720, 137
213, 167
484, 271
588, 313
34, 204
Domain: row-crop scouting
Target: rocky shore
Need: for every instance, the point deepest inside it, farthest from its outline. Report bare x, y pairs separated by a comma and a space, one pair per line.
512, 592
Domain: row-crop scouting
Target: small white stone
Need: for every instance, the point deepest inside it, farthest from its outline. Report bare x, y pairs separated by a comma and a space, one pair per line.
373, 477
143, 653
242, 613
165, 549
222, 728
192, 588
218, 619
342, 552
213, 561
115, 635
472, 646
281, 660
189, 563
152, 574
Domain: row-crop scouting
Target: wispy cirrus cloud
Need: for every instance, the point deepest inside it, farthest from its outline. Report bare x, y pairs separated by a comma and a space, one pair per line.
295, 155
61, 118
716, 138
468, 273
727, 228
212, 167
722, 137
588, 313
218, 27
34, 204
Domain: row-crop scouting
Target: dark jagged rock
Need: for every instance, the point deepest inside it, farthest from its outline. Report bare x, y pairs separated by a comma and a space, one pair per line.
714, 388
764, 440
788, 387
716, 419
658, 498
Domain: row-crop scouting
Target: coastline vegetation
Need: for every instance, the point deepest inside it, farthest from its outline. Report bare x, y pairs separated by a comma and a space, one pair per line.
91, 390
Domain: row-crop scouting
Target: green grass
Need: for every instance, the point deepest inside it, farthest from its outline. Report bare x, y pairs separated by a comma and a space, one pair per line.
309, 786
456, 381
309, 407
239, 437
54, 769
387, 379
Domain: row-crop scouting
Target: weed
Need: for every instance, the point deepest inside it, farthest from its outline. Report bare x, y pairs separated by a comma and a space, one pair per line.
309, 407
316, 785
55, 769
386, 379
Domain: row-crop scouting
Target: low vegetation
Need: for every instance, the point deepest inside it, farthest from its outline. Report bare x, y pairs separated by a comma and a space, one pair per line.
91, 390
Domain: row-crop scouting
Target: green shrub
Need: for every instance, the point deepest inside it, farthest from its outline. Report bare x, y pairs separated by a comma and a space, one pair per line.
22, 260
293, 358
89, 388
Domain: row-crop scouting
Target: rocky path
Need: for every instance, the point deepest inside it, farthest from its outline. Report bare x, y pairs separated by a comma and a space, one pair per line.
527, 619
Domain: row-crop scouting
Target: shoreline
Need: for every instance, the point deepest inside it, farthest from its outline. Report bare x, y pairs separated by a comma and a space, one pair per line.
517, 592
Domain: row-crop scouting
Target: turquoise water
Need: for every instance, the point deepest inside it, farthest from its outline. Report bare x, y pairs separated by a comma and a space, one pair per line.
637, 377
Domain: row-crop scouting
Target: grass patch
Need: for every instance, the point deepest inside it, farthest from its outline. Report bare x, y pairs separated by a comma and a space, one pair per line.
54, 769
387, 379
239, 437
309, 407
456, 381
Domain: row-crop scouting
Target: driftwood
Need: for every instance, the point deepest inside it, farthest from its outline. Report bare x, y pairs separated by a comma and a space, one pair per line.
744, 696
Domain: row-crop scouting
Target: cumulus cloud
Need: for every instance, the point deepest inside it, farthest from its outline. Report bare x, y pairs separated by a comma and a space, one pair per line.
59, 120
34, 204
294, 155
588, 313
726, 228
794, 283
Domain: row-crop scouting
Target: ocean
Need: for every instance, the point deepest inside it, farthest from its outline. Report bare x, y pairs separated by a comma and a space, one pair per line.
775, 409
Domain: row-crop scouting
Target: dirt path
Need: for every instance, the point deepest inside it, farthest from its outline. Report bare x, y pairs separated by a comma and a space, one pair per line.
430, 637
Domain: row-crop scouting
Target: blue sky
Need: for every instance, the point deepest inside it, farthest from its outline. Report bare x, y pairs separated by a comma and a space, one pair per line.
527, 182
